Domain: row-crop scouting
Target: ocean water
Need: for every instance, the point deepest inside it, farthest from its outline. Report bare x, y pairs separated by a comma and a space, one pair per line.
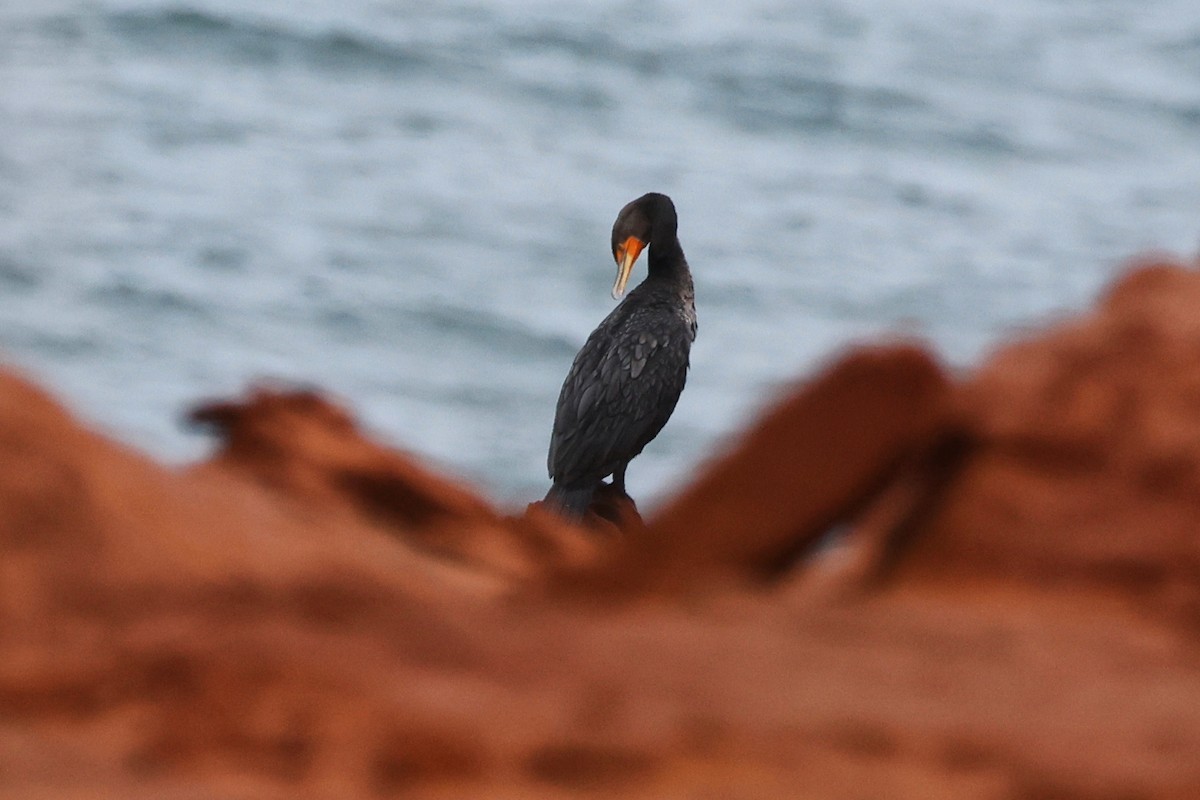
409, 204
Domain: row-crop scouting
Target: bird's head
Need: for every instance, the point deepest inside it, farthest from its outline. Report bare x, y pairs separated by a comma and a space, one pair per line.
631, 233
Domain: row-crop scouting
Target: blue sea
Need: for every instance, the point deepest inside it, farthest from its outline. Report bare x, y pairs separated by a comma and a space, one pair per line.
409, 204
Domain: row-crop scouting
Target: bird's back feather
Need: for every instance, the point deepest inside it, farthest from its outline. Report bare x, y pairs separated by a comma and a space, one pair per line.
622, 387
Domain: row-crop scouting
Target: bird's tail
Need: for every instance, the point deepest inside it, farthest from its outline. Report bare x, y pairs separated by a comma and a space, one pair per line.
570, 501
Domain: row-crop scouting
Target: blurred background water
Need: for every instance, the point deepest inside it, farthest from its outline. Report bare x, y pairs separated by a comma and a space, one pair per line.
409, 204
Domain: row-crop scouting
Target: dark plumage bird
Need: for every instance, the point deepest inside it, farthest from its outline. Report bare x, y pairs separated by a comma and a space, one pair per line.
627, 378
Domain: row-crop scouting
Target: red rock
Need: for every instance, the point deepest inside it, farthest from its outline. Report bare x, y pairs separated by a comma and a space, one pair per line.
808, 464
313, 455
304, 446
265, 626
1086, 468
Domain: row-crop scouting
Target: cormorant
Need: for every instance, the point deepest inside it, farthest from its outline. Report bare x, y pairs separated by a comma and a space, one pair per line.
627, 378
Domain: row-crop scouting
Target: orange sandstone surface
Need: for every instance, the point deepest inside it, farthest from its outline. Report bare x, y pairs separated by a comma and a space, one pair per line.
898, 584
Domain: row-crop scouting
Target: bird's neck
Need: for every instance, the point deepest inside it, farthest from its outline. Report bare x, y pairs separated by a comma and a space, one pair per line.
666, 261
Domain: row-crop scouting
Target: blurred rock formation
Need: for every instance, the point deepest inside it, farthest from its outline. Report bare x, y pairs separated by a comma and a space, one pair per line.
897, 584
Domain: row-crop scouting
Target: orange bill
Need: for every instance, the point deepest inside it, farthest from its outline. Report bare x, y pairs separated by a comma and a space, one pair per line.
626, 254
